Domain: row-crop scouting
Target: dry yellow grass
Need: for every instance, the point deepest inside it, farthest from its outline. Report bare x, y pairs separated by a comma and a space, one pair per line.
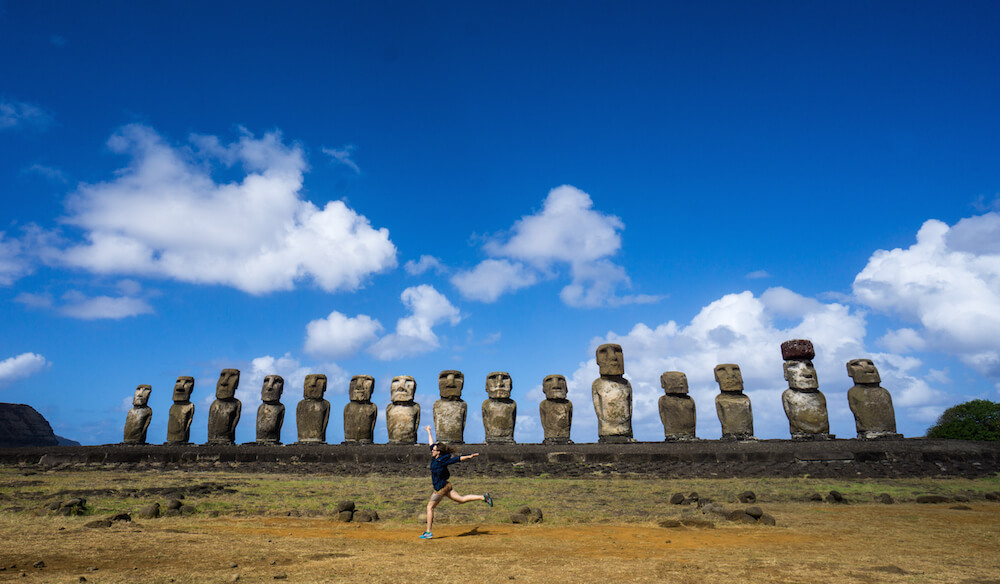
858, 543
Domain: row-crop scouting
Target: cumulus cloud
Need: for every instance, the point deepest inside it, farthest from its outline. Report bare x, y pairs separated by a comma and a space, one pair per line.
949, 283
744, 329
21, 366
339, 335
13, 263
414, 334
18, 114
567, 233
78, 305
426, 262
165, 215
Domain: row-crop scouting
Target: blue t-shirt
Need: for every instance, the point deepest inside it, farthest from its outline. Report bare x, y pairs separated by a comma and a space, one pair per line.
439, 470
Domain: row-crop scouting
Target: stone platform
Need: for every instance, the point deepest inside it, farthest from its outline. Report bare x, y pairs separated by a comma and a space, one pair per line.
914, 457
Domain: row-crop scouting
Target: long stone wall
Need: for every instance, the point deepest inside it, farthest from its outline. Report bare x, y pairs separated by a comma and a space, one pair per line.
703, 459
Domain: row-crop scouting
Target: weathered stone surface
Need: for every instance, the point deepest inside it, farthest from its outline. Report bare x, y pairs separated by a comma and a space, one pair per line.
871, 404
21, 426
698, 523
799, 349
732, 405
612, 396
555, 411
365, 516
181, 412
526, 514
677, 499
754, 511
150, 511
450, 411
925, 499
674, 382
360, 413
747, 497
670, 523
499, 411
402, 416
766, 519
345, 506
677, 413
836, 497
312, 414
271, 413
885, 499
224, 413
138, 418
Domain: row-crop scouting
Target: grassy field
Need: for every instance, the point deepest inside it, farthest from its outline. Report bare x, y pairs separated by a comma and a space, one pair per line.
256, 528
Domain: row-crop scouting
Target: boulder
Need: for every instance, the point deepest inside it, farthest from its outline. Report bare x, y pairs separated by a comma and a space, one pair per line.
345, 516
835, 497
755, 512
677, 499
151, 511
345, 506
885, 499
925, 499
766, 519
747, 497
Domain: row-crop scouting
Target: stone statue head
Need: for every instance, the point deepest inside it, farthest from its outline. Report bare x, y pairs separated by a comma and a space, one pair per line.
450, 383
274, 385
498, 385
674, 382
229, 380
863, 371
800, 374
729, 377
554, 387
362, 387
610, 359
403, 388
314, 386
183, 388
141, 396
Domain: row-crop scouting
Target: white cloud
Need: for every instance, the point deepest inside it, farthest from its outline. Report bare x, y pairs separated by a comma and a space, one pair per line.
21, 366
904, 340
743, 329
426, 262
414, 334
758, 275
14, 114
566, 232
493, 278
77, 305
339, 335
164, 215
47, 172
343, 156
949, 282
13, 264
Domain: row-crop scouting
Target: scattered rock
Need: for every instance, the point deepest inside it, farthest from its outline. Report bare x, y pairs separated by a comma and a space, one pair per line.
345, 516
993, 496
151, 511
961, 507
885, 499
766, 519
693, 497
961, 499
171, 512
755, 512
740, 516
98, 523
187, 510
365, 515
928, 499
345, 506
281, 576
699, 523
526, 514
38, 565
836, 497
174, 504
670, 523
747, 497
815, 497
677, 499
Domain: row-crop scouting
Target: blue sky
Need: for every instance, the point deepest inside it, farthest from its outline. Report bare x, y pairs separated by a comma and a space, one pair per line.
392, 188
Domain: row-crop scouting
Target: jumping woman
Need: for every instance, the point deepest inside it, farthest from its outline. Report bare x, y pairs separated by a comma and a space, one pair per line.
441, 457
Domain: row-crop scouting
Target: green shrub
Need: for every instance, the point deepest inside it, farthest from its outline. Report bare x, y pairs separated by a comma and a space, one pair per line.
978, 419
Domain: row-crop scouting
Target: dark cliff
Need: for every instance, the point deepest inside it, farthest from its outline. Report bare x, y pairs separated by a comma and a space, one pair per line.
22, 425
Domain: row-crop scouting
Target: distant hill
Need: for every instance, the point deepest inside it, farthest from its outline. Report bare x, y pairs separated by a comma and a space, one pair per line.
22, 425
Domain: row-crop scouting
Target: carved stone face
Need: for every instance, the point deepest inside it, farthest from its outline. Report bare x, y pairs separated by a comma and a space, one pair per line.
801, 375
229, 380
611, 360
554, 387
450, 383
183, 388
141, 395
274, 385
314, 386
863, 371
674, 382
498, 385
403, 388
729, 377
362, 387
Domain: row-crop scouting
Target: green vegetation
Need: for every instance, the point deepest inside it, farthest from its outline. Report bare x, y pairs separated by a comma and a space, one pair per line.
978, 419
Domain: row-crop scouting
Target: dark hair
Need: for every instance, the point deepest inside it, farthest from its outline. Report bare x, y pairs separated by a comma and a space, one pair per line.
443, 448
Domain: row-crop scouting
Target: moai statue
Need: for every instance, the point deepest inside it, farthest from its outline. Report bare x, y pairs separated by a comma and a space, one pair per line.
137, 419
556, 411
733, 407
870, 402
499, 411
804, 405
360, 412
612, 396
677, 411
313, 412
402, 416
224, 413
450, 411
271, 413
181, 413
